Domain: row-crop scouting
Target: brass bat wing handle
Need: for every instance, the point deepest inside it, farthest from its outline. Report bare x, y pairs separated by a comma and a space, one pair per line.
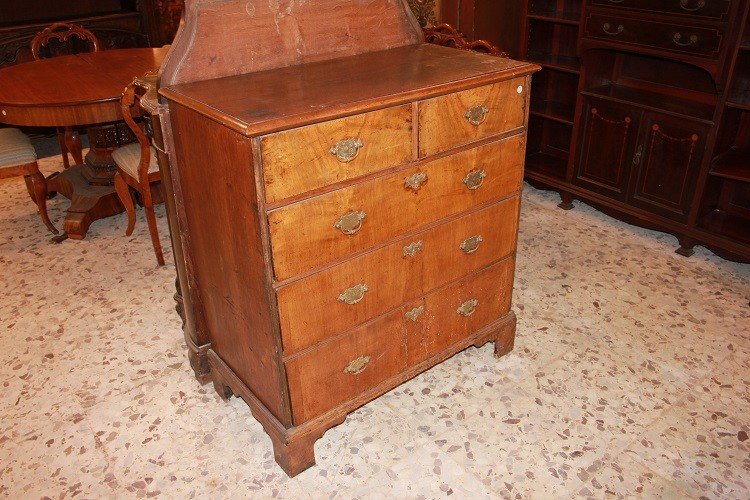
347, 149
350, 223
477, 114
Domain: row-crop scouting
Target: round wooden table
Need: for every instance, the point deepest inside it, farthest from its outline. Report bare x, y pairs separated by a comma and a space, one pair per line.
79, 90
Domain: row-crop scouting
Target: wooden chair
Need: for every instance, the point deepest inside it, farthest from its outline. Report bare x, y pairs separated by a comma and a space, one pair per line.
137, 167
63, 39
18, 158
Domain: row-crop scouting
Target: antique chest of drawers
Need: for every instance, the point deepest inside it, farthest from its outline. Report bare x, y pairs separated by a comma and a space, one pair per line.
349, 223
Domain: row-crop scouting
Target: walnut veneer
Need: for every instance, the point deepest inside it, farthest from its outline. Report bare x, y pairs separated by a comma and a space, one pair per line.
347, 210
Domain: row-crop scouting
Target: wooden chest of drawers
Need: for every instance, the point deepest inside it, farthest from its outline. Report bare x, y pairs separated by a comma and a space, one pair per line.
349, 223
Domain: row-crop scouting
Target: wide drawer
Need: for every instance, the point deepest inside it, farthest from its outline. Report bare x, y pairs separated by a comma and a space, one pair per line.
323, 229
337, 371
337, 298
302, 159
454, 119
710, 9
703, 42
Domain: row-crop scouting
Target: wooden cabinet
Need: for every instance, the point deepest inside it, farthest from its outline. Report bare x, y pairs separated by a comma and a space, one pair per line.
341, 235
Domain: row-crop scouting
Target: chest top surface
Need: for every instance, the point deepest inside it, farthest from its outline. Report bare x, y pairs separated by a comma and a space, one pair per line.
291, 96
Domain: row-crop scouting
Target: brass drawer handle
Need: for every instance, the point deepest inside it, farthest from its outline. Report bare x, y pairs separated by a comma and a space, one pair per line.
414, 182
354, 294
677, 39
698, 6
357, 366
606, 27
415, 313
413, 248
474, 179
347, 149
477, 114
468, 307
471, 244
350, 223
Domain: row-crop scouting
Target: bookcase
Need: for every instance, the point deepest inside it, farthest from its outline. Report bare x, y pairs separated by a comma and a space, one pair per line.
642, 110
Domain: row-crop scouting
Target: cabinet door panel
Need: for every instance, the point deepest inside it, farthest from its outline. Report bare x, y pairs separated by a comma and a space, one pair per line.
607, 143
670, 155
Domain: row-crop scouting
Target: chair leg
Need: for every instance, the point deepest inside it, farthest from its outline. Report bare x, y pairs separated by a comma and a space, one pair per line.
123, 192
148, 206
63, 147
74, 145
37, 183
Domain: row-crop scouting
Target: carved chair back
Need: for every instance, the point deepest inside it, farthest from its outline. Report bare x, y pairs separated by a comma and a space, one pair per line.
63, 39
130, 104
446, 35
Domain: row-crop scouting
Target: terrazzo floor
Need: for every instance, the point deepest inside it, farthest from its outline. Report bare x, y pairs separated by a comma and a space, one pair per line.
630, 378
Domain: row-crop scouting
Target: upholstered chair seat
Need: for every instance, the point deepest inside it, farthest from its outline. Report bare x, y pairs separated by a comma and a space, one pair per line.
128, 158
18, 158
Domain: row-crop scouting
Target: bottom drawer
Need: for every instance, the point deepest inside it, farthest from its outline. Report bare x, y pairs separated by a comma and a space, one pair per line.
339, 370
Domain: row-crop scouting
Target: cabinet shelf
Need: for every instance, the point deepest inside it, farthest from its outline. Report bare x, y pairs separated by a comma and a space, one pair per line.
568, 64
551, 110
734, 165
728, 225
556, 16
546, 164
655, 101
739, 100
745, 45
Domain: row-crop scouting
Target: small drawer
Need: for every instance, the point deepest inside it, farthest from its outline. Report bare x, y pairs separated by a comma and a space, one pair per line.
709, 9
703, 42
337, 298
344, 368
458, 310
455, 119
303, 159
326, 228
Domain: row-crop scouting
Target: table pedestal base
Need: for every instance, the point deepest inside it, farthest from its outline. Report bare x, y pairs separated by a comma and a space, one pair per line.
88, 202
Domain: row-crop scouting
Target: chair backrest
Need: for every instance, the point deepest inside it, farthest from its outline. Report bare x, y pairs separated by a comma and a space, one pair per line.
448, 36
130, 105
63, 39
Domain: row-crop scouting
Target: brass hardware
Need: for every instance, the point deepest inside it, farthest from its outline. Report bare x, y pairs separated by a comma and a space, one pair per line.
468, 307
677, 39
638, 155
414, 182
471, 244
350, 223
354, 294
411, 249
477, 114
698, 6
474, 179
606, 27
357, 366
346, 149
415, 313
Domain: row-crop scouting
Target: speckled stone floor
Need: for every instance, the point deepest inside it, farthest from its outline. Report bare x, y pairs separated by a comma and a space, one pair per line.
630, 378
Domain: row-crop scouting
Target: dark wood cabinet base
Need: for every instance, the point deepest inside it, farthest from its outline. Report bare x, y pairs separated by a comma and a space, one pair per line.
294, 447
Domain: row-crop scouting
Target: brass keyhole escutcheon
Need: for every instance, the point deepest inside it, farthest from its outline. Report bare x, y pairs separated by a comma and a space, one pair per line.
357, 366
350, 223
471, 244
416, 181
354, 294
413, 248
415, 313
477, 114
468, 307
347, 149
474, 179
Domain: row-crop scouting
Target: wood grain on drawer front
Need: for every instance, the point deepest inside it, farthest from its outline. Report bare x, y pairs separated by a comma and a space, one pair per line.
448, 121
306, 158
304, 235
310, 310
339, 370
440, 323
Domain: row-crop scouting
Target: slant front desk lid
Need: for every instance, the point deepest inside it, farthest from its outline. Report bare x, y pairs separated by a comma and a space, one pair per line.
268, 101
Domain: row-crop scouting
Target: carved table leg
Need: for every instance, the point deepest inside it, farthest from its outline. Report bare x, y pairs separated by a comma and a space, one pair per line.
566, 202
686, 246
